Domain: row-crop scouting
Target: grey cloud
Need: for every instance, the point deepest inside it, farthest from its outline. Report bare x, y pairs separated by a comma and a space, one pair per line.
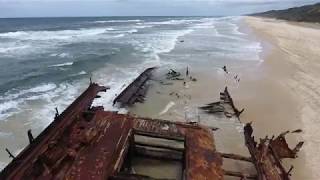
23, 8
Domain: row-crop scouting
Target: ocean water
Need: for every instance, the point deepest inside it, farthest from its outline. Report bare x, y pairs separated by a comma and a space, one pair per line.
47, 62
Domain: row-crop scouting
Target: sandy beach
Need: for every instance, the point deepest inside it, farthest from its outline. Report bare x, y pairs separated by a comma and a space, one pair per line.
279, 93
296, 58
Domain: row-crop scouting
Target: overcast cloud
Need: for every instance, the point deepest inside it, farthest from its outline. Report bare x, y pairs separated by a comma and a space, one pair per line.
58, 8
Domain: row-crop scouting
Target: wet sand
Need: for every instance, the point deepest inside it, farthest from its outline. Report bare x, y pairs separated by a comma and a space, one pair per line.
278, 94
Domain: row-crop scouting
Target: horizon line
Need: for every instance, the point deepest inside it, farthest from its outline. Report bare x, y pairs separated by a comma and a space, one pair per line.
21, 17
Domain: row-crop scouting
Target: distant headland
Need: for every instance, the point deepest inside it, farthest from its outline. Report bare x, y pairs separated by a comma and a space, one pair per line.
308, 13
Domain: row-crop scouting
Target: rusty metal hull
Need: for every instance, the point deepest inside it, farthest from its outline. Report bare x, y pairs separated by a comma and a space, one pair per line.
87, 142
32, 151
267, 155
136, 91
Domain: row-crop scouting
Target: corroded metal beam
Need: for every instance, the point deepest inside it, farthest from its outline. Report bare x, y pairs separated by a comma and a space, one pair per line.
236, 157
42, 142
267, 155
136, 91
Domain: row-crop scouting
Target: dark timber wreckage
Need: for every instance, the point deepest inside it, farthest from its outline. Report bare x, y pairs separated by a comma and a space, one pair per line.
86, 142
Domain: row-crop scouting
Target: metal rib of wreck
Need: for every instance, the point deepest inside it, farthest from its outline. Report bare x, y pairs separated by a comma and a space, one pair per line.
136, 91
267, 155
86, 142
225, 106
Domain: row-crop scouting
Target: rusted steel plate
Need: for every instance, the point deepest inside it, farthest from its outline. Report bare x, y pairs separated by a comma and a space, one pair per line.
53, 131
229, 100
281, 148
225, 105
159, 127
202, 160
86, 142
165, 127
91, 149
135, 91
108, 146
268, 153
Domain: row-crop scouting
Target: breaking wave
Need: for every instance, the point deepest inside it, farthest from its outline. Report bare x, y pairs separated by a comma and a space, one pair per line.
140, 42
62, 64
118, 21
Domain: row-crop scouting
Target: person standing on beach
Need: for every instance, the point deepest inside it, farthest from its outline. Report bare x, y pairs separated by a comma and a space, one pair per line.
225, 69
187, 72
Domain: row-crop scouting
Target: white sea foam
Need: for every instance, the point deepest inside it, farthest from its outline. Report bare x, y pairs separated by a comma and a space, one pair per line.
120, 78
236, 30
162, 42
54, 35
159, 43
41, 88
2, 165
118, 21
40, 104
5, 107
62, 64
22, 43
152, 45
13, 48
79, 73
142, 26
173, 22
119, 36
62, 55
132, 31
11, 102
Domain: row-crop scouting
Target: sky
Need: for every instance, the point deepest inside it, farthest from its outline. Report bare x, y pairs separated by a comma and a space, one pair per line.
67, 8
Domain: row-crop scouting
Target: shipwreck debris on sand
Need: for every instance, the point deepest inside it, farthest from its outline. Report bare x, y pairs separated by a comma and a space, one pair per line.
267, 155
174, 75
225, 106
136, 91
86, 142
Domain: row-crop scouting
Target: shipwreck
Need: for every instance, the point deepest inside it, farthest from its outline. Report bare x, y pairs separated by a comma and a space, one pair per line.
87, 142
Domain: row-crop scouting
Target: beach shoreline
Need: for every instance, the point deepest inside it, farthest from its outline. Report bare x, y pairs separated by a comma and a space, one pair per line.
278, 87
295, 55
265, 91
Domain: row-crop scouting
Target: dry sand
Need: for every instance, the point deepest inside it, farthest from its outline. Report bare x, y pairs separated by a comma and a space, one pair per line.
295, 58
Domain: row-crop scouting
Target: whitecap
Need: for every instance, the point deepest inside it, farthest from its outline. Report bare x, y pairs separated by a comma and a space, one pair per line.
119, 36
118, 21
235, 29
2, 165
13, 48
6, 107
24, 43
79, 73
11, 102
41, 88
173, 22
62, 64
55, 35
143, 26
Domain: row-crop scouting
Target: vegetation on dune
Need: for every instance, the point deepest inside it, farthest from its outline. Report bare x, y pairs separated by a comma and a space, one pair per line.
308, 13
